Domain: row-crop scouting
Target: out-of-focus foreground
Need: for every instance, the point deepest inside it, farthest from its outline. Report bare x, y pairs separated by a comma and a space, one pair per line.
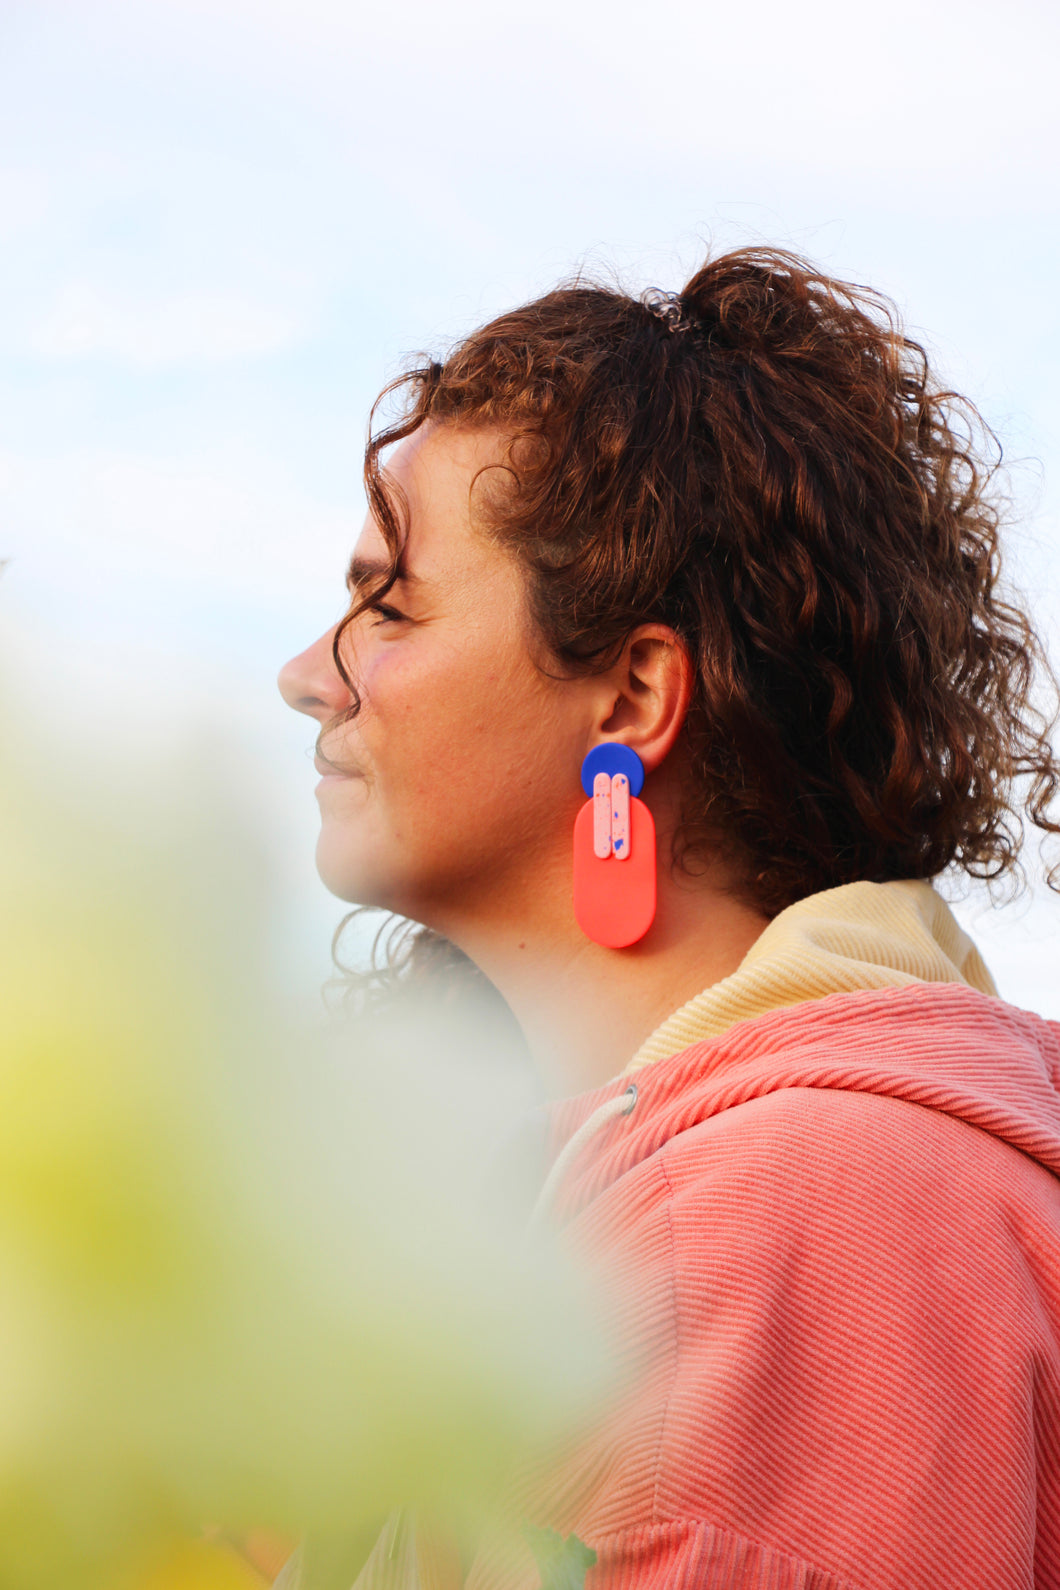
249, 1275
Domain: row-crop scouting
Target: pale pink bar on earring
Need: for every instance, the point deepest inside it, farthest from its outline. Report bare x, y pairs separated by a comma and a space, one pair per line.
620, 816
602, 815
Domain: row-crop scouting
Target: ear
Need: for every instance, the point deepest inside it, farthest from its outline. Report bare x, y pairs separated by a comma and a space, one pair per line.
645, 696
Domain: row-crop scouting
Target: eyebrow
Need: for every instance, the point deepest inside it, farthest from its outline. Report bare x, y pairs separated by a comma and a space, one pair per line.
362, 570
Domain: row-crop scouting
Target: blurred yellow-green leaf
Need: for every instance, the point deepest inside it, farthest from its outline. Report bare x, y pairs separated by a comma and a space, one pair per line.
248, 1275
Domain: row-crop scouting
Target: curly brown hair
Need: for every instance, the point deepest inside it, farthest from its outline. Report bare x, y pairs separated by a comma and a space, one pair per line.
765, 462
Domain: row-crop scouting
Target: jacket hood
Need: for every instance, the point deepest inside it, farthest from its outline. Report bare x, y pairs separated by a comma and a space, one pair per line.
905, 1008
841, 941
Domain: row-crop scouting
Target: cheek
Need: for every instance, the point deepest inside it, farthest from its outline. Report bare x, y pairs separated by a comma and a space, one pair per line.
436, 701
395, 691
412, 741
467, 741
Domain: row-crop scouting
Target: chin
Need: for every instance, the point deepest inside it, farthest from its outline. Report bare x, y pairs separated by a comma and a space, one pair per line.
358, 877
348, 877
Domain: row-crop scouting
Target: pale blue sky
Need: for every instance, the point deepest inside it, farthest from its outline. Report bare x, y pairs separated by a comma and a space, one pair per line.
222, 225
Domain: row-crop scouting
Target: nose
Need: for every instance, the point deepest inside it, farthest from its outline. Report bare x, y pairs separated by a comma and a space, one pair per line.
310, 682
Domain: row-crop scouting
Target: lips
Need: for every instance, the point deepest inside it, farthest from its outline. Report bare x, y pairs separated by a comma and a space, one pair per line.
329, 770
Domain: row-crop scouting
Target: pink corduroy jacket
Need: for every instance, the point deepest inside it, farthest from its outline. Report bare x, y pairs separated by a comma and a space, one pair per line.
833, 1234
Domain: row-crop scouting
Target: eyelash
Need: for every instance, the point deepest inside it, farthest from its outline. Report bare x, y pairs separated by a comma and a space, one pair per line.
386, 615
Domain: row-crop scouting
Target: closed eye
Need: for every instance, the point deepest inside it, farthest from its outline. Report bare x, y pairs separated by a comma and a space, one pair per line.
384, 613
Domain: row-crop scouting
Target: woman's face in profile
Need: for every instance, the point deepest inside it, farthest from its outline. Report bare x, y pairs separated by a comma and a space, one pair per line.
458, 779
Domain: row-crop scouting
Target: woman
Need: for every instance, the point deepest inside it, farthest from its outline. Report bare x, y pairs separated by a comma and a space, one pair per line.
740, 533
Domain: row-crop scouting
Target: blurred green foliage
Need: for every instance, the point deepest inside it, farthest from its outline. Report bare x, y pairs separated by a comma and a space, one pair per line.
563, 1562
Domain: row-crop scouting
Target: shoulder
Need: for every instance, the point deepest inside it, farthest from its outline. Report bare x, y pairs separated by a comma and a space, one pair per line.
846, 1339
843, 1145
857, 1226
848, 1284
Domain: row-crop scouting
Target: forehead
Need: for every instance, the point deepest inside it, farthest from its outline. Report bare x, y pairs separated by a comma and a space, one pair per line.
436, 470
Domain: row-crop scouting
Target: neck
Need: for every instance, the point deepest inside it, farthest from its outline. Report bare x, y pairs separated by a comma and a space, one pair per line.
586, 1010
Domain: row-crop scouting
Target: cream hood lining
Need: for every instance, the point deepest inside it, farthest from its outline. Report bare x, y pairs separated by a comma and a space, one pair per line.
841, 941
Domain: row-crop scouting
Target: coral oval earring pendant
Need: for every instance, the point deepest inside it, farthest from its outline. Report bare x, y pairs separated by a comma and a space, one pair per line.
614, 882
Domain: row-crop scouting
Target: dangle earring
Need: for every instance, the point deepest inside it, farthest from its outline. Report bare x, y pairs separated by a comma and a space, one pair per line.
614, 850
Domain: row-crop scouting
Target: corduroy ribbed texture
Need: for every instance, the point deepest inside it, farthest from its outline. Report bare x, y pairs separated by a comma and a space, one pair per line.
833, 1234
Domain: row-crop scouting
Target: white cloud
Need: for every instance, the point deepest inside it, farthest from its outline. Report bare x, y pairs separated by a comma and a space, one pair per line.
187, 329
